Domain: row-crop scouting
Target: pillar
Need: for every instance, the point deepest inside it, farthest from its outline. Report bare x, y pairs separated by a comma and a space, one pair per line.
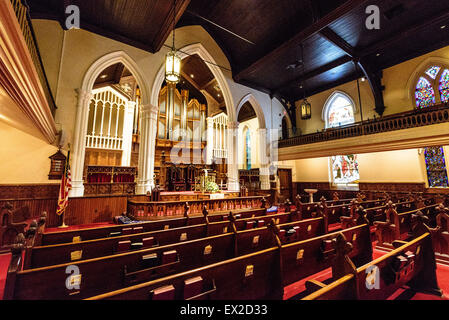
210, 141
148, 116
233, 171
78, 150
128, 133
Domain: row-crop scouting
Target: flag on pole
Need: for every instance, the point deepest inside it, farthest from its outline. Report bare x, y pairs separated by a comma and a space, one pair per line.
66, 186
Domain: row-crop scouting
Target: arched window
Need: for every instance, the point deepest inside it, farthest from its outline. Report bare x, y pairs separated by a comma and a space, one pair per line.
432, 87
436, 167
338, 110
424, 94
444, 86
248, 149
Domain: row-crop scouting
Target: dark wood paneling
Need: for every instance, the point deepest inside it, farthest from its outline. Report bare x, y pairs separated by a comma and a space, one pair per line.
44, 197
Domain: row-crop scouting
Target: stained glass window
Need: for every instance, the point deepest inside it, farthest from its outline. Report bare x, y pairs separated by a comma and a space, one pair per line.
345, 169
340, 111
425, 95
444, 86
248, 150
436, 167
433, 72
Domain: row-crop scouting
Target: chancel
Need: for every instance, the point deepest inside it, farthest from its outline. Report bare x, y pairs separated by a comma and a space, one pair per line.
208, 150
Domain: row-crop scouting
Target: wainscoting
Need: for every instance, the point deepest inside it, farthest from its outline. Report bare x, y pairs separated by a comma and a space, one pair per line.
84, 210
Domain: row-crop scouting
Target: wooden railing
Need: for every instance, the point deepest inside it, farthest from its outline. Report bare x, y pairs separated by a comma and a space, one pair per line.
405, 120
144, 210
23, 17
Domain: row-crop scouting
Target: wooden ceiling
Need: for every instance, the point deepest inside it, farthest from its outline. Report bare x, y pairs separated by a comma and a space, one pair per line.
330, 35
143, 24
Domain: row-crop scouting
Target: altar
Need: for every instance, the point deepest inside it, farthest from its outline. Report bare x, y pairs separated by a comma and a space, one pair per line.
192, 195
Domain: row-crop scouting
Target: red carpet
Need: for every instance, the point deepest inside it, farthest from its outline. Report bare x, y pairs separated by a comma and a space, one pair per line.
4, 263
80, 227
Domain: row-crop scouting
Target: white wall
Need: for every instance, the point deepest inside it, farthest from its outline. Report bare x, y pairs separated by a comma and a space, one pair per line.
403, 166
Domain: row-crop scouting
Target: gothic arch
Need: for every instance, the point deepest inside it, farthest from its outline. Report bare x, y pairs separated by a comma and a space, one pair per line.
84, 96
198, 48
419, 70
328, 104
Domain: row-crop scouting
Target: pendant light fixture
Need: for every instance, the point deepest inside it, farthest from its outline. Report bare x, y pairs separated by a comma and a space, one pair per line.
306, 107
173, 60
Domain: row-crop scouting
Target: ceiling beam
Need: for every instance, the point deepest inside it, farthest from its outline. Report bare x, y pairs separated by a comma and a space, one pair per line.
337, 41
300, 37
313, 73
203, 87
363, 53
195, 85
410, 31
167, 27
375, 82
119, 72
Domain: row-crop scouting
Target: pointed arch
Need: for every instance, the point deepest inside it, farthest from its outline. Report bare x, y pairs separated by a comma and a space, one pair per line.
257, 108
198, 48
84, 97
329, 104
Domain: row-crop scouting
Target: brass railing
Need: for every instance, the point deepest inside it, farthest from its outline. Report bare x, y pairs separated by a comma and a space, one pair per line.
405, 120
22, 12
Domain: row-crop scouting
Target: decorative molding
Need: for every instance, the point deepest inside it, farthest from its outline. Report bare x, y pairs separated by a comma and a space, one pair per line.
19, 75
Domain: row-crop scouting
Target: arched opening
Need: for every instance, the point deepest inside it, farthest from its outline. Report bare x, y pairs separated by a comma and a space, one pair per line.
231, 163
114, 69
191, 130
249, 148
111, 149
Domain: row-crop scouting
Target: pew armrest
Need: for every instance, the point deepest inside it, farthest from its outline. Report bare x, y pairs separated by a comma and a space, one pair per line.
314, 285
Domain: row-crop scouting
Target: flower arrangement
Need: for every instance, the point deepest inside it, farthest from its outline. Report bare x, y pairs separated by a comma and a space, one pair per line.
212, 187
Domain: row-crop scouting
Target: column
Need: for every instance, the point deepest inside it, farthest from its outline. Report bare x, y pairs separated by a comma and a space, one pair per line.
210, 141
128, 133
233, 172
79, 142
264, 170
148, 116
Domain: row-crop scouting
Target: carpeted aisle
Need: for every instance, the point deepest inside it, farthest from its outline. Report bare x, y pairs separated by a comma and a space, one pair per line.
4, 264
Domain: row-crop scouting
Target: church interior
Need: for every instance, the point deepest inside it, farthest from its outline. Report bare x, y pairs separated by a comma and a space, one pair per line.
224, 150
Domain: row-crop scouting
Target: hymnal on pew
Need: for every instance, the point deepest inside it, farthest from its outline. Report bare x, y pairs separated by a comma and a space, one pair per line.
150, 260
193, 287
164, 293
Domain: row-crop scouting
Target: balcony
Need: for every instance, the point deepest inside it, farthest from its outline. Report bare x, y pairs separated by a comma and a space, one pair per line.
412, 129
22, 12
400, 121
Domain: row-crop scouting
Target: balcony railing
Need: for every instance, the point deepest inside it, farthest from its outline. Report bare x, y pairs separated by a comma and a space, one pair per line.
22, 12
400, 121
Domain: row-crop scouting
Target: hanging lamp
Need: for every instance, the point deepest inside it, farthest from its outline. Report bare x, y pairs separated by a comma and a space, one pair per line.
173, 60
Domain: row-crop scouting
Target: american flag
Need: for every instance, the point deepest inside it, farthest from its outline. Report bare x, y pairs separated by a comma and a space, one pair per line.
66, 186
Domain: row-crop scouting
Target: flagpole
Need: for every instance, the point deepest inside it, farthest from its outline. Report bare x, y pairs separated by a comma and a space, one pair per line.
64, 182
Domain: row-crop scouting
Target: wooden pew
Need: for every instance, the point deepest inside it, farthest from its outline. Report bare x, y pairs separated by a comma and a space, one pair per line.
260, 275
41, 256
373, 214
410, 263
117, 271
51, 238
397, 226
148, 210
440, 235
